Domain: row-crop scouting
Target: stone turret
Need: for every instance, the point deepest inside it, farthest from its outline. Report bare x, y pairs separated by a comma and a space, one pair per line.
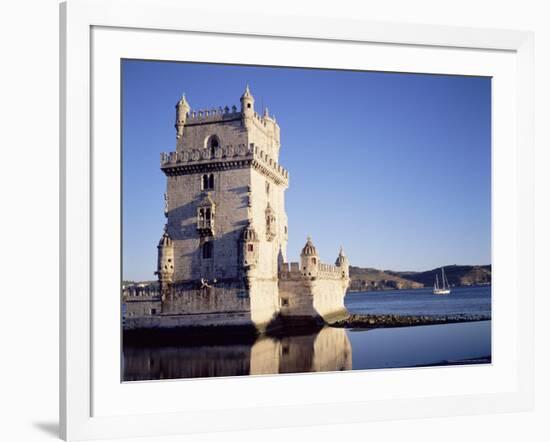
343, 262
165, 263
309, 260
182, 109
247, 103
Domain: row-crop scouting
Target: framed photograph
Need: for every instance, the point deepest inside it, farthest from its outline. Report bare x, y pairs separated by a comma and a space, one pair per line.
300, 220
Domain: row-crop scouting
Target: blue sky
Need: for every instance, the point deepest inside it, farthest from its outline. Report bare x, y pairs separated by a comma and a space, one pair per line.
394, 167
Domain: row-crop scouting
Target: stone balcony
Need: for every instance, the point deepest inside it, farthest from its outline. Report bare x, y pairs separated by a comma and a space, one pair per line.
205, 227
219, 158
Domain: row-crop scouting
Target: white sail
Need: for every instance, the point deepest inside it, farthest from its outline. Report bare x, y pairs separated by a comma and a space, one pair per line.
445, 288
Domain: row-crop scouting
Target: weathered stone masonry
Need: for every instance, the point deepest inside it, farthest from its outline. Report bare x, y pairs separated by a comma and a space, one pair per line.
222, 257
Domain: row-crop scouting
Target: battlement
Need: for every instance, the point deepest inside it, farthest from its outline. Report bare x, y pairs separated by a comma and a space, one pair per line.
212, 115
190, 160
291, 270
220, 114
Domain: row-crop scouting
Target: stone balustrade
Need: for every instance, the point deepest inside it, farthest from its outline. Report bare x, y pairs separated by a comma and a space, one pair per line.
229, 152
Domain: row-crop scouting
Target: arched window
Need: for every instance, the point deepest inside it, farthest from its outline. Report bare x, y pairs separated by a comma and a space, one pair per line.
212, 142
207, 250
211, 181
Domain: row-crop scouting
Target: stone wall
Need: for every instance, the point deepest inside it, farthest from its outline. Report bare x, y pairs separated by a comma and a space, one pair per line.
229, 130
230, 198
140, 307
261, 197
220, 297
264, 302
317, 297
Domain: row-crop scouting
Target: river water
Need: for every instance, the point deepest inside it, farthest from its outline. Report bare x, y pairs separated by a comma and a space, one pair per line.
334, 349
462, 300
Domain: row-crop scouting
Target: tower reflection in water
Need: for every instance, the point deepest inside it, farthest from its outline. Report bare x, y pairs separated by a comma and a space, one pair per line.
327, 349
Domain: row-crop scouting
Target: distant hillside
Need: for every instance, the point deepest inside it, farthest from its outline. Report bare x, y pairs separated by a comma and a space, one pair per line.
364, 279
457, 275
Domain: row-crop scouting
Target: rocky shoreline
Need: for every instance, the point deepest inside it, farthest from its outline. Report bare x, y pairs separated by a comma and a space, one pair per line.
389, 321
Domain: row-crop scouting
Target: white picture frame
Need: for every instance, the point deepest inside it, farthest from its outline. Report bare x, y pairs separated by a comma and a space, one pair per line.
80, 377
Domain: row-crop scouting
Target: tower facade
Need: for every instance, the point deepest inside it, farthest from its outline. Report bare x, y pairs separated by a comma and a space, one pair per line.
225, 211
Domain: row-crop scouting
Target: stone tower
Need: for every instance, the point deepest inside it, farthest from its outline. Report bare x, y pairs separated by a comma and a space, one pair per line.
309, 260
222, 256
225, 210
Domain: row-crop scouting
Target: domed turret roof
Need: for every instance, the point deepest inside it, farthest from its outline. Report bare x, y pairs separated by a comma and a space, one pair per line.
309, 249
165, 240
249, 233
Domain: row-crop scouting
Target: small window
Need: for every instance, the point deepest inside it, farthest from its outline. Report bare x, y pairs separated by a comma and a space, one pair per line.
250, 247
314, 260
207, 182
284, 302
153, 311
207, 250
248, 105
267, 187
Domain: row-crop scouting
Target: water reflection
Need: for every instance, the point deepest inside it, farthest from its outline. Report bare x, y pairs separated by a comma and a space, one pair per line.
327, 349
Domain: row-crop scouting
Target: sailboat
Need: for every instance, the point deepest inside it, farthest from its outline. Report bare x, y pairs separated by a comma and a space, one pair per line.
445, 288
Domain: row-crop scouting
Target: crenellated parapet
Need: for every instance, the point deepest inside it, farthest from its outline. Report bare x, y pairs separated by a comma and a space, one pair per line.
218, 114
222, 158
213, 115
292, 271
